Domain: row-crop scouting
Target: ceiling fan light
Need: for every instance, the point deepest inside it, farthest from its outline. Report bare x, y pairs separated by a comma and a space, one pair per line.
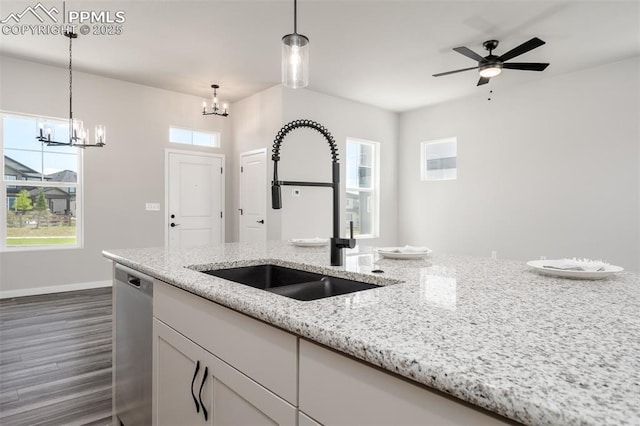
490, 71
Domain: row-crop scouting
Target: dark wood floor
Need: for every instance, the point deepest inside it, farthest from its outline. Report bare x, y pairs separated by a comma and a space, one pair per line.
55, 359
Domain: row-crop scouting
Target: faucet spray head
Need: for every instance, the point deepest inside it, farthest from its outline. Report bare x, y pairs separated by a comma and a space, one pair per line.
276, 196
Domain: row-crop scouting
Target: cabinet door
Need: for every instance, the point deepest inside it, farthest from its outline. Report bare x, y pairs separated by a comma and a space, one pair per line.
176, 383
226, 395
238, 400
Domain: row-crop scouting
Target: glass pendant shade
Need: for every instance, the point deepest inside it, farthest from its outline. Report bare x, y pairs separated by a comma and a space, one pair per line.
101, 135
295, 61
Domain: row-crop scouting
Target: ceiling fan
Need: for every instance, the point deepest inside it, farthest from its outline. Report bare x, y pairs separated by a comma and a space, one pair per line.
492, 65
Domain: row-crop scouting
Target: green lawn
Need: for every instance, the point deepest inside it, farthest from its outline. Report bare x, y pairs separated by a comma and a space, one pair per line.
43, 231
43, 236
40, 241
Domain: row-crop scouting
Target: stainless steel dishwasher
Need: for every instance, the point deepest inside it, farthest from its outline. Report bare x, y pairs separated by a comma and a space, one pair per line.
133, 346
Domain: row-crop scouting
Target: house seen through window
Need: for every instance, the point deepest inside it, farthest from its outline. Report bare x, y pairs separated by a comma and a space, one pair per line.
362, 204
41, 185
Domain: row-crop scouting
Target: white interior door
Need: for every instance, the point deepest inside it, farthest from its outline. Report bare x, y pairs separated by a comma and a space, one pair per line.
195, 199
253, 196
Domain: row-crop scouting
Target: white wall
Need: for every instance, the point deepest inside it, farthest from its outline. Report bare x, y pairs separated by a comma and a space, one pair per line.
118, 179
550, 168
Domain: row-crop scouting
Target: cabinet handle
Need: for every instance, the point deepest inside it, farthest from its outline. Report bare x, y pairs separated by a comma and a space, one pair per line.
192, 382
204, 379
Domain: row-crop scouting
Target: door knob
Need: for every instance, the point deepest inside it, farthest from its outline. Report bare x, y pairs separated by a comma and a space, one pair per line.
260, 221
173, 225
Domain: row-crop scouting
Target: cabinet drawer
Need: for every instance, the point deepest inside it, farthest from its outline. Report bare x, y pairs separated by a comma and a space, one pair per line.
264, 353
337, 390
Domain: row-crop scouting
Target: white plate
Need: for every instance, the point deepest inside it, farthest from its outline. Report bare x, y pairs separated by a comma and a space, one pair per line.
539, 266
403, 253
309, 242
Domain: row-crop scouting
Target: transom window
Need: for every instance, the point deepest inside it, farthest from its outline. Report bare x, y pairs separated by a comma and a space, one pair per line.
41, 186
194, 137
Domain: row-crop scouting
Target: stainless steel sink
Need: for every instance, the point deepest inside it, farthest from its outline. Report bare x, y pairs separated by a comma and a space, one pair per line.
294, 283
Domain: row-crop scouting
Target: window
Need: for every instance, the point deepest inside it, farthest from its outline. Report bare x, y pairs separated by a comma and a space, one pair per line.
362, 205
41, 186
10, 177
192, 137
438, 159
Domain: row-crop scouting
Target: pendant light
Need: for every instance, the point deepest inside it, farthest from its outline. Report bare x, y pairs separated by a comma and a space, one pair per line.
78, 135
295, 56
215, 105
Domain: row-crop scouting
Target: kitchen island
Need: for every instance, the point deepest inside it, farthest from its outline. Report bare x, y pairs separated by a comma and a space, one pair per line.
493, 333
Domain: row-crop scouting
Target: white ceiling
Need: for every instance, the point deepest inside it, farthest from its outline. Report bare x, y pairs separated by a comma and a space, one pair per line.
381, 53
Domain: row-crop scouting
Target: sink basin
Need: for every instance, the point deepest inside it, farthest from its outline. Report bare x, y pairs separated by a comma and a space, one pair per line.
293, 283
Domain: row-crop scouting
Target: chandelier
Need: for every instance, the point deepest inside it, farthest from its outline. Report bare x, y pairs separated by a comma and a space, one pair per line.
78, 135
215, 106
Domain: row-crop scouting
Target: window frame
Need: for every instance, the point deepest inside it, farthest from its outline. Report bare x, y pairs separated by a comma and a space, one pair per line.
375, 187
5, 183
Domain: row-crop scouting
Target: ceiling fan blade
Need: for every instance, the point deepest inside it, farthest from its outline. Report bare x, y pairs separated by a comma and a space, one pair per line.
523, 48
453, 72
469, 53
483, 80
527, 66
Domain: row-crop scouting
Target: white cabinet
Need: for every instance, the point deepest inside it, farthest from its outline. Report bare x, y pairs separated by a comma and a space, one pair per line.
265, 353
258, 374
193, 387
178, 373
338, 390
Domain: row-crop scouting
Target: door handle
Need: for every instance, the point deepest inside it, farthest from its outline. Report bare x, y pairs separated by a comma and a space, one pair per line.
195, 374
241, 211
260, 221
204, 379
173, 225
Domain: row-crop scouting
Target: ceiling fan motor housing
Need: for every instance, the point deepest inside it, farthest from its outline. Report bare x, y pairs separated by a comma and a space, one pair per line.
490, 45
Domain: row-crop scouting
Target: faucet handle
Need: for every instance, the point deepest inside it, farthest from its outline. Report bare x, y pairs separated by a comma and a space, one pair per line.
349, 242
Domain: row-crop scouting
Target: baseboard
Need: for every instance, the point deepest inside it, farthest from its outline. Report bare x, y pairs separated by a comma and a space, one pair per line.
53, 289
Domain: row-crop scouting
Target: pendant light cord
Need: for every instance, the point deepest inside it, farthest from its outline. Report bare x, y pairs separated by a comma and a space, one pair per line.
295, 16
70, 89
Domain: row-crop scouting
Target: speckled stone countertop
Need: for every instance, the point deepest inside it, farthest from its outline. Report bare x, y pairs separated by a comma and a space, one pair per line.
536, 349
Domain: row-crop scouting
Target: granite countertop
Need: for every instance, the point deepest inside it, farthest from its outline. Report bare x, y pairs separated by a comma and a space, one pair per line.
533, 348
